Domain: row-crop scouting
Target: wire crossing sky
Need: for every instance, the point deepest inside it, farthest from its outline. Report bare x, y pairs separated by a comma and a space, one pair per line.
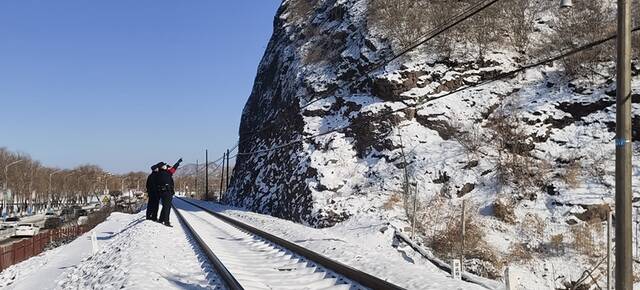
124, 84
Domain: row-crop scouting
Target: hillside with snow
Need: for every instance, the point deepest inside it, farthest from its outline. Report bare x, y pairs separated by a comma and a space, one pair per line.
327, 135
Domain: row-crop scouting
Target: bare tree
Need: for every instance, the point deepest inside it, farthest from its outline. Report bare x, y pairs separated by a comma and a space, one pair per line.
35, 186
587, 21
402, 21
519, 21
300, 10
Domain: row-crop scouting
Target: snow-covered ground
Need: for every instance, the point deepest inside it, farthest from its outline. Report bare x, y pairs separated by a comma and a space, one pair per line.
133, 253
51, 264
363, 242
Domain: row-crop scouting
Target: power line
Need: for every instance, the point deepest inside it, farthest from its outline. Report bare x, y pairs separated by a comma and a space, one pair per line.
215, 162
494, 79
217, 166
234, 147
455, 20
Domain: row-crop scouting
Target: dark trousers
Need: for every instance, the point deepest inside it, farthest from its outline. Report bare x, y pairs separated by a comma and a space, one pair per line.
152, 206
166, 197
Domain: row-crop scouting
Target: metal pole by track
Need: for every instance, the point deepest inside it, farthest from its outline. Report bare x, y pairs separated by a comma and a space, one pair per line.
222, 175
206, 174
624, 259
609, 260
196, 181
227, 169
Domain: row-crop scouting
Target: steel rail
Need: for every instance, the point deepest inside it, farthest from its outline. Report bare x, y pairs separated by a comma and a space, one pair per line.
348, 272
228, 278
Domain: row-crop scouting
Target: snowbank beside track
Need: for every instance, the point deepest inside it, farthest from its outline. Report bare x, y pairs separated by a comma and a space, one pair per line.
132, 253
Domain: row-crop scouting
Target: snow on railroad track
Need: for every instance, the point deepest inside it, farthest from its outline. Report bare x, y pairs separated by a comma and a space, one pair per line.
255, 262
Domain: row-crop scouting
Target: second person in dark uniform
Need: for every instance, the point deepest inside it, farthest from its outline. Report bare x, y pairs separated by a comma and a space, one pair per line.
152, 191
166, 190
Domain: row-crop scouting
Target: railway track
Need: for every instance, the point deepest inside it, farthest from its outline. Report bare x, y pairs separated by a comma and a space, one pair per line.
248, 258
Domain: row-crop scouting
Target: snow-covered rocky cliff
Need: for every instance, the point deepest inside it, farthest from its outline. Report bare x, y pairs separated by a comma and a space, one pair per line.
532, 153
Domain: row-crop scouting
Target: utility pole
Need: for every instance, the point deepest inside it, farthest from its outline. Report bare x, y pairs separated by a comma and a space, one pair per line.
196, 185
222, 175
121, 184
624, 259
79, 192
405, 169
609, 260
6, 181
415, 209
50, 175
227, 169
623, 226
6, 173
206, 174
637, 232
64, 182
106, 183
462, 234
50, 192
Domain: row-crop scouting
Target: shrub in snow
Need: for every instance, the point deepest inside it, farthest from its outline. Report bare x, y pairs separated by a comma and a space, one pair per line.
556, 244
503, 210
587, 239
519, 252
570, 32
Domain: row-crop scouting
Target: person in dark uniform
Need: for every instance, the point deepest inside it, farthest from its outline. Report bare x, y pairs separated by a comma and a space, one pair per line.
152, 191
166, 190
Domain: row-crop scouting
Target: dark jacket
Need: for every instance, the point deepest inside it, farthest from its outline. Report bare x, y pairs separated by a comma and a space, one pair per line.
152, 183
164, 182
164, 179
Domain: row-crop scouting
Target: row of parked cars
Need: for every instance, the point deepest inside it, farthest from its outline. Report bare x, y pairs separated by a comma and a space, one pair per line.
12, 227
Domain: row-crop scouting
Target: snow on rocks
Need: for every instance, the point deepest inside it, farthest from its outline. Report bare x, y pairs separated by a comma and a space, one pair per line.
455, 135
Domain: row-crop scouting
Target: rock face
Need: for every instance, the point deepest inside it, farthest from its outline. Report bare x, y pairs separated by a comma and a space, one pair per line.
310, 53
322, 140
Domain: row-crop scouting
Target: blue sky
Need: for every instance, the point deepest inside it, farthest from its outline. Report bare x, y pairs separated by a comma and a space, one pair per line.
125, 83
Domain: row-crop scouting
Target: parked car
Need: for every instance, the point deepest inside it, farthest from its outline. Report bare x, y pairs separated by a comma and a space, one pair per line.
13, 219
66, 211
83, 220
26, 230
81, 212
7, 230
4, 227
7, 225
52, 222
